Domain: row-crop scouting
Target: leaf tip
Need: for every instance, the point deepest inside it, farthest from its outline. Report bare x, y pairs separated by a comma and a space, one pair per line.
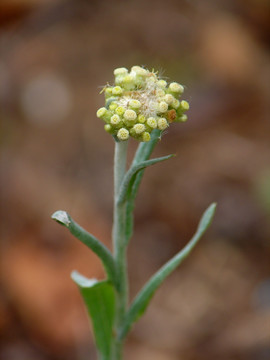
61, 217
212, 208
81, 280
208, 216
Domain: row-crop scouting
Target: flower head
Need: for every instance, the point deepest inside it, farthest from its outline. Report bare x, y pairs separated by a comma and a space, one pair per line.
139, 102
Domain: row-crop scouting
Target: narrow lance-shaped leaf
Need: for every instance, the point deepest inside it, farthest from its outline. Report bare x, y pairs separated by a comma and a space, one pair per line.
63, 218
141, 301
99, 298
130, 176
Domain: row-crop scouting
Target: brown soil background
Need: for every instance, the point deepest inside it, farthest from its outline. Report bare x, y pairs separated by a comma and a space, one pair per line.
54, 58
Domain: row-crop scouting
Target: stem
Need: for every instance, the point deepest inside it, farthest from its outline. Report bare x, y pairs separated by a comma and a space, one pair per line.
119, 246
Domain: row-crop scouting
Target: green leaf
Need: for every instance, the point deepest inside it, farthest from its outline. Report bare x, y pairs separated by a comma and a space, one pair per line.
63, 218
130, 176
99, 299
142, 300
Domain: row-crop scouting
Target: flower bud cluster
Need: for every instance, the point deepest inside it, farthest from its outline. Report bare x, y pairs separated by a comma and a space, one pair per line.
139, 103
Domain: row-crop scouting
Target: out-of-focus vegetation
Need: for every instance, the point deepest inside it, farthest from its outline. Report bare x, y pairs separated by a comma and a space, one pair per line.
55, 56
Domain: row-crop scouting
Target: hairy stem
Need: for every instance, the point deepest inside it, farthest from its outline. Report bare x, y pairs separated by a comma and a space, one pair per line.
119, 222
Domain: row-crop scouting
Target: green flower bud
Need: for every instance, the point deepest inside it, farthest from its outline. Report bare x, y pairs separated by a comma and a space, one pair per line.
139, 128
184, 105
177, 88
163, 107
130, 115
115, 119
162, 124
152, 122
175, 104
146, 136
135, 104
113, 106
108, 92
139, 70
141, 119
117, 90
120, 110
162, 83
108, 128
101, 112
169, 99
123, 134
128, 82
120, 71
182, 118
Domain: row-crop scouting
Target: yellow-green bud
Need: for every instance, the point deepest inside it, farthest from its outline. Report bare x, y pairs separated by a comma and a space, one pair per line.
163, 107
175, 104
130, 115
108, 128
123, 134
139, 128
182, 118
162, 124
169, 98
135, 104
128, 82
112, 106
101, 112
117, 90
115, 119
184, 105
108, 92
120, 71
141, 119
146, 136
162, 83
177, 88
120, 110
152, 122
139, 70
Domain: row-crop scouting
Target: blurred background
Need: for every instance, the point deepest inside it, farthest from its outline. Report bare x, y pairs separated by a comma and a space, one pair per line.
55, 56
